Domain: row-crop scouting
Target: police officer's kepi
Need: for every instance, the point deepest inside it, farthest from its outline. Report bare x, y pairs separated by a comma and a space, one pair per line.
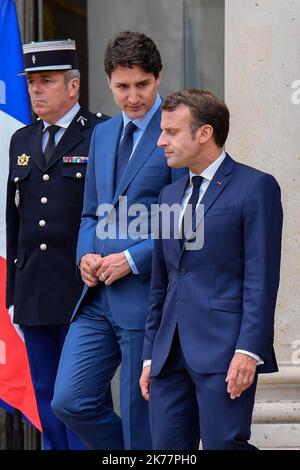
55, 55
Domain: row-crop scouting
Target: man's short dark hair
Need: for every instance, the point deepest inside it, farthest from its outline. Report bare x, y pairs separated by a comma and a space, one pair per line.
205, 108
127, 49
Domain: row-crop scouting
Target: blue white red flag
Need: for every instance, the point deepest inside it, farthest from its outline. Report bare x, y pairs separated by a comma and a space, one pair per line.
16, 387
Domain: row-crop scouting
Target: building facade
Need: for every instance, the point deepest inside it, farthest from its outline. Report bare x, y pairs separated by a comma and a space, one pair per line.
247, 52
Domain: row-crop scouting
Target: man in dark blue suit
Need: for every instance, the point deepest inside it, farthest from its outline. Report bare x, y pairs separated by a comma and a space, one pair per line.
47, 168
125, 168
213, 292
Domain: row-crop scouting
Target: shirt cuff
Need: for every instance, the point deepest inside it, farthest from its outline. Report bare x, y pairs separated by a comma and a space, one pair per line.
146, 362
255, 356
131, 262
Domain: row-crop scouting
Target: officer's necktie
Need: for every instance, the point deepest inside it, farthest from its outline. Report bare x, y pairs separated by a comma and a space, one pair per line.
49, 149
190, 209
124, 151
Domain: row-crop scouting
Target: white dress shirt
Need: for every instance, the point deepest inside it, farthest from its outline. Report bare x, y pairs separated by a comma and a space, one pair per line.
63, 123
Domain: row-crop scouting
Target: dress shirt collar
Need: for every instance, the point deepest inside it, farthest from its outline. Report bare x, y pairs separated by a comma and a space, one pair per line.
65, 120
210, 171
143, 122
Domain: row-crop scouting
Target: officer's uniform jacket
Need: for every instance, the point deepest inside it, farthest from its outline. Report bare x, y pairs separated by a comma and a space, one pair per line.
44, 204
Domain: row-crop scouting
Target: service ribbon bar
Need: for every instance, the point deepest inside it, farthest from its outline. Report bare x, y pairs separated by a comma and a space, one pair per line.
83, 160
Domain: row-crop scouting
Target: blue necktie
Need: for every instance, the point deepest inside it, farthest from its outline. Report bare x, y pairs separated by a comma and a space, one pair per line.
124, 151
188, 215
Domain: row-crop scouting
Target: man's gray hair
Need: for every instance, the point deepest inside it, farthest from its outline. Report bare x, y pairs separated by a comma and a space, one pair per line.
70, 74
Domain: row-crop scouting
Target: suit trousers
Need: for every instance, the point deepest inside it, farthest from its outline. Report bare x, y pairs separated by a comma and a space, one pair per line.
182, 400
93, 350
44, 345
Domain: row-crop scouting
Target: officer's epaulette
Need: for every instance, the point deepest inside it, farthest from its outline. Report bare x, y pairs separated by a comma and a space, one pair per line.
101, 116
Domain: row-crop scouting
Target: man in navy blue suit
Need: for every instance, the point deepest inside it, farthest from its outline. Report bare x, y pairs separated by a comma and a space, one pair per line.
213, 292
125, 165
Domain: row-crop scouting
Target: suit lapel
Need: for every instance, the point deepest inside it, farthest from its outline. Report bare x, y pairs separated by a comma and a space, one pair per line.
109, 155
145, 147
36, 146
217, 185
176, 197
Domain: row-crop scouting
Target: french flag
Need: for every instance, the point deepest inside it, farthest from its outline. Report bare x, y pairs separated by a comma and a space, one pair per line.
16, 387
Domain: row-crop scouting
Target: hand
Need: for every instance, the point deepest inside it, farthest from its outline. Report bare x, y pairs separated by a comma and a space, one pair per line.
18, 328
145, 382
89, 264
240, 374
112, 268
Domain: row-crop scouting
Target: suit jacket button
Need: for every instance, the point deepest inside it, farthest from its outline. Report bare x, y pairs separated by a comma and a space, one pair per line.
43, 246
44, 200
42, 223
182, 271
16, 260
78, 175
16, 179
46, 177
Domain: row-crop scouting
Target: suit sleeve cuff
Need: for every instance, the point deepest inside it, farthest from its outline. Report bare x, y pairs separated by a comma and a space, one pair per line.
131, 262
255, 356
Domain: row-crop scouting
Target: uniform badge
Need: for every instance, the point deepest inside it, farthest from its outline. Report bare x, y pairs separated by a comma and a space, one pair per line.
82, 120
23, 160
17, 197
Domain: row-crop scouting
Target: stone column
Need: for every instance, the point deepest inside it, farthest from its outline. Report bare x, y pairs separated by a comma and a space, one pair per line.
188, 33
262, 90
27, 15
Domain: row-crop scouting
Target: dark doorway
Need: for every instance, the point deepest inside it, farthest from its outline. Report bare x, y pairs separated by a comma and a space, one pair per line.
63, 19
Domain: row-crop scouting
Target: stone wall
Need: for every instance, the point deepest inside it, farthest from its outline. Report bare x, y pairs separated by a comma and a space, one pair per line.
262, 80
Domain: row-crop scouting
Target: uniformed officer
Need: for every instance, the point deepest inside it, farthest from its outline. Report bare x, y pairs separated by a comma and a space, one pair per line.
44, 201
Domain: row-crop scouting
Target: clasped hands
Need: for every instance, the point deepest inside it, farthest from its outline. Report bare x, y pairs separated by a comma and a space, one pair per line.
107, 269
